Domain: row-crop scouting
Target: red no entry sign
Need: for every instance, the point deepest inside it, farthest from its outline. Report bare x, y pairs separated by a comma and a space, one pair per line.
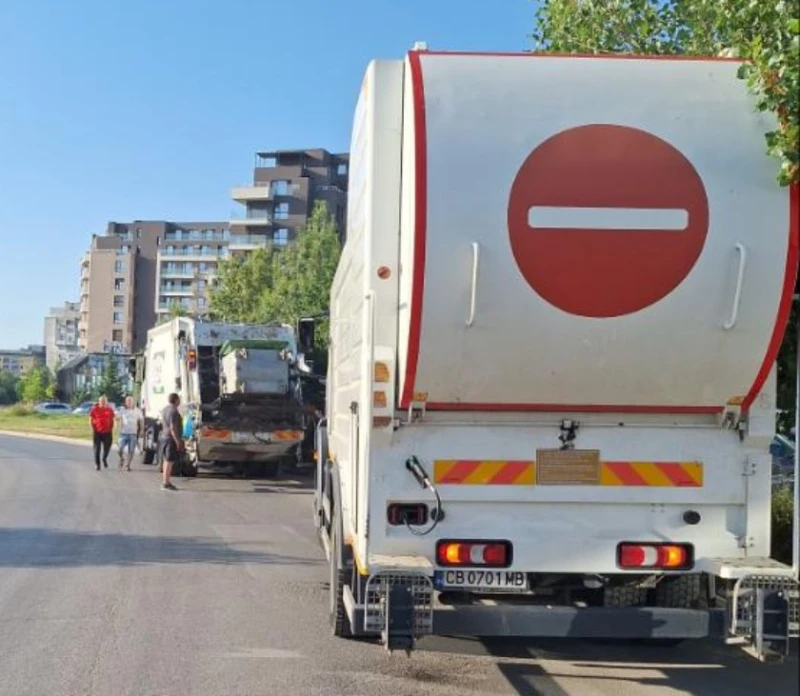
606, 220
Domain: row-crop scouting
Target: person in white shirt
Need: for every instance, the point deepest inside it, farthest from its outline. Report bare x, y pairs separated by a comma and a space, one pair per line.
131, 425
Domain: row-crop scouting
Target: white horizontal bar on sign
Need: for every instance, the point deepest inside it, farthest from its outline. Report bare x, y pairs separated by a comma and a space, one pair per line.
565, 218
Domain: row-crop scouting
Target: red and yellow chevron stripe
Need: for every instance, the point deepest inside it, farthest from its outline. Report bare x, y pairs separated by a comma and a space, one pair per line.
523, 473
484, 472
659, 474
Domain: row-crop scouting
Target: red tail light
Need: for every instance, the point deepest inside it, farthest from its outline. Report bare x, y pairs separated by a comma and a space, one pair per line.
647, 556
488, 554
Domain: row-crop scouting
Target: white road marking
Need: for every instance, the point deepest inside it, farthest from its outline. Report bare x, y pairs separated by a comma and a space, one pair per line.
649, 219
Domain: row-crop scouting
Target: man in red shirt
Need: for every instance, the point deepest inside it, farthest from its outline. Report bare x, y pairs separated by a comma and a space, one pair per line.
102, 419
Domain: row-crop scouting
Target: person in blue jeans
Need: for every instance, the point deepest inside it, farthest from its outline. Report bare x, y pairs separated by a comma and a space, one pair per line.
131, 425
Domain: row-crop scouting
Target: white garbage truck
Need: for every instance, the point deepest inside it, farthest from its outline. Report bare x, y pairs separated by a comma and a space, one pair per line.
239, 384
553, 335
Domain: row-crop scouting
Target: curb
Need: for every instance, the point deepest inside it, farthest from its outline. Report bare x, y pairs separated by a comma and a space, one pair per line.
47, 438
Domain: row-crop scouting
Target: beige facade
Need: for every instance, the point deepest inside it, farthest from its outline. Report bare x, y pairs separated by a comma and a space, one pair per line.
19, 362
108, 287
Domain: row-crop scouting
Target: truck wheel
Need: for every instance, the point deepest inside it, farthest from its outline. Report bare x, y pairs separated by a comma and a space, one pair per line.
148, 456
682, 592
339, 577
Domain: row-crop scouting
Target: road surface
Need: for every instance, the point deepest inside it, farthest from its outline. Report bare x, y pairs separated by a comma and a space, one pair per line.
109, 586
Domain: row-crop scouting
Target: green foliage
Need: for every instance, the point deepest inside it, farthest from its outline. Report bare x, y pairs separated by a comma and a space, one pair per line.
269, 285
240, 287
37, 384
176, 309
766, 34
303, 273
110, 383
782, 509
8, 388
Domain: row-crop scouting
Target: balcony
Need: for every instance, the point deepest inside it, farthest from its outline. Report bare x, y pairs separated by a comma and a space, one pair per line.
191, 252
248, 242
176, 290
167, 306
167, 273
252, 218
243, 194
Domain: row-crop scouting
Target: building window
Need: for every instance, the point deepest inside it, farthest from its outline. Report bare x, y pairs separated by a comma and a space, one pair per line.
281, 237
341, 170
116, 335
201, 303
117, 317
124, 249
280, 187
195, 234
119, 301
158, 241
119, 284
282, 211
119, 266
138, 233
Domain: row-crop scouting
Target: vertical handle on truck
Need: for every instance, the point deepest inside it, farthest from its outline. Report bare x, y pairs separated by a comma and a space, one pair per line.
473, 299
737, 297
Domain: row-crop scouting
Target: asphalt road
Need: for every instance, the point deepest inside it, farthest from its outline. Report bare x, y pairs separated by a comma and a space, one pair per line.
109, 586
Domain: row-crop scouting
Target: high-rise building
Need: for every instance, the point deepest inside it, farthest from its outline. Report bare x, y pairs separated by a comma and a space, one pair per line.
61, 334
286, 185
137, 271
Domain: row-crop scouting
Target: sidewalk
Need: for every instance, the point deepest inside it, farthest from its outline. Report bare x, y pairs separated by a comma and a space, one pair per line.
49, 438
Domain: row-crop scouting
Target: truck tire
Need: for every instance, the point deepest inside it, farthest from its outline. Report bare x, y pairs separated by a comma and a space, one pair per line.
683, 592
148, 456
625, 596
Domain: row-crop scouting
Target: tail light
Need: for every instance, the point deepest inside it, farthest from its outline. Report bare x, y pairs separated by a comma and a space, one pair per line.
490, 554
646, 556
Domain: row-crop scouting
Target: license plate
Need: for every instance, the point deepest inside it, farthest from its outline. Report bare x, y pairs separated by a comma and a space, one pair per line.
484, 580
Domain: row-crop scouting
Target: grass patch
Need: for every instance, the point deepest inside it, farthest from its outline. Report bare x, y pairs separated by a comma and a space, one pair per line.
23, 420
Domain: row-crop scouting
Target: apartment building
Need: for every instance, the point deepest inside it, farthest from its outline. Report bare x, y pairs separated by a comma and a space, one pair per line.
61, 333
137, 271
19, 362
286, 185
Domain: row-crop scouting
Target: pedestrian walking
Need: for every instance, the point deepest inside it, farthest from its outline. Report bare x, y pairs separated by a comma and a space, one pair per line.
101, 418
171, 440
131, 426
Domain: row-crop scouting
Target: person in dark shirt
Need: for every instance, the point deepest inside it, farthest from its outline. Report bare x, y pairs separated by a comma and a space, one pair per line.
171, 439
101, 418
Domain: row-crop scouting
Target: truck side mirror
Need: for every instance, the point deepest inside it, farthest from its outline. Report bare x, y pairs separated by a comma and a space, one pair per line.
305, 335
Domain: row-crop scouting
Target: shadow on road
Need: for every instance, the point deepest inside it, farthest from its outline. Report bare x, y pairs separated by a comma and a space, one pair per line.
53, 548
700, 668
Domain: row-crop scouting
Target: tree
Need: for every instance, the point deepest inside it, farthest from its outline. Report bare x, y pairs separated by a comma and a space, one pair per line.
303, 273
270, 285
110, 383
36, 385
8, 388
176, 309
765, 34
241, 284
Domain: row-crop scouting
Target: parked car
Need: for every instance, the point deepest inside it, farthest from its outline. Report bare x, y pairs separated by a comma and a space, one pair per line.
53, 408
86, 406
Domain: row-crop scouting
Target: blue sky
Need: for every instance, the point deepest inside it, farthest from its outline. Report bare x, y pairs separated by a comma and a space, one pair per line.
115, 110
